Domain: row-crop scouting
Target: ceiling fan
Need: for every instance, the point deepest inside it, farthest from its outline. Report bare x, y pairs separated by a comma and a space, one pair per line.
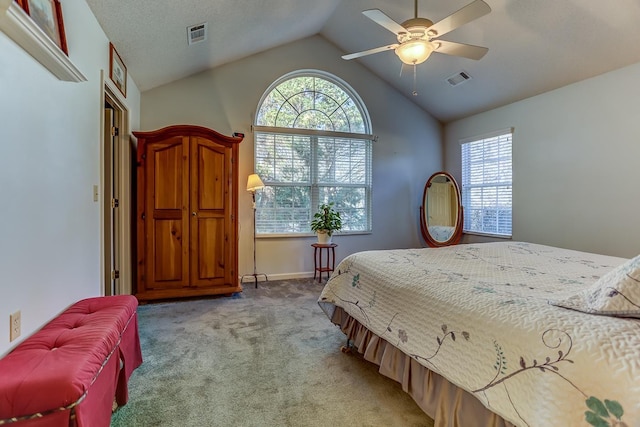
419, 37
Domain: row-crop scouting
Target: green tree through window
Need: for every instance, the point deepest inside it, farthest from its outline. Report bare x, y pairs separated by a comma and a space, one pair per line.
312, 146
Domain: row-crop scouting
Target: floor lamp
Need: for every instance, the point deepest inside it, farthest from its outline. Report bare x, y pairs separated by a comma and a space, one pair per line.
254, 183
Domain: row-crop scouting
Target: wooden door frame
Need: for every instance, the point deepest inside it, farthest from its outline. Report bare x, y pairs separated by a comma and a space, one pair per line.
124, 212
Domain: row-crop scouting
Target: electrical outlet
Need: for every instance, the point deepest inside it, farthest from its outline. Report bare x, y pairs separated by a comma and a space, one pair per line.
14, 325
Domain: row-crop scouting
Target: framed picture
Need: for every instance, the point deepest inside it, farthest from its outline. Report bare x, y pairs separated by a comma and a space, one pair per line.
47, 14
117, 70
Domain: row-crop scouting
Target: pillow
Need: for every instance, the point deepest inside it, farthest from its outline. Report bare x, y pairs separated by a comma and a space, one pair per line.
617, 293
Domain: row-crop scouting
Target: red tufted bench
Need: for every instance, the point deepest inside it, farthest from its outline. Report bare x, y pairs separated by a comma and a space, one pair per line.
68, 373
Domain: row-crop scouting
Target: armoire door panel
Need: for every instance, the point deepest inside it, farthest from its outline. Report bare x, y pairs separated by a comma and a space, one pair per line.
210, 178
211, 173
167, 224
168, 254
168, 176
208, 267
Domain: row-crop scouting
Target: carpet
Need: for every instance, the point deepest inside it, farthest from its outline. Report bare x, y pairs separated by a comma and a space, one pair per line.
263, 357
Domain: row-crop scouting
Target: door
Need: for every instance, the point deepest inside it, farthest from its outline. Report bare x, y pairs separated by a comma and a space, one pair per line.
211, 210
111, 201
115, 200
167, 214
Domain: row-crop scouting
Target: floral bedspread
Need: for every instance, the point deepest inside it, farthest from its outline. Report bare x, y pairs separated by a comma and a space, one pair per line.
478, 315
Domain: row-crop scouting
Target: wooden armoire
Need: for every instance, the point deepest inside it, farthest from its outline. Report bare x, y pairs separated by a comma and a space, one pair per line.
187, 213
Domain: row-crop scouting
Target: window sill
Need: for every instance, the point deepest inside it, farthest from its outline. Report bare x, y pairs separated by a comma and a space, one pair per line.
16, 24
497, 236
306, 235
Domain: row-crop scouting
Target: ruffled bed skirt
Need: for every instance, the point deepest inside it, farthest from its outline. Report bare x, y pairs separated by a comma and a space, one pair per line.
447, 404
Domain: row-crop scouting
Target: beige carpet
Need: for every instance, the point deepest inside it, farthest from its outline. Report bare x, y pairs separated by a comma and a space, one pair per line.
264, 357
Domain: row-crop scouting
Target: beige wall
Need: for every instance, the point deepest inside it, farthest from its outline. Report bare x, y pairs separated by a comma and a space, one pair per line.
49, 162
576, 158
408, 151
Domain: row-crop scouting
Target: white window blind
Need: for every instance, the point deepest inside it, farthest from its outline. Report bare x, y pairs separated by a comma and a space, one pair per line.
487, 184
312, 147
300, 172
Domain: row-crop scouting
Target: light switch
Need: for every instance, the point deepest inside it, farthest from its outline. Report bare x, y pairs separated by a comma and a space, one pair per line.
95, 193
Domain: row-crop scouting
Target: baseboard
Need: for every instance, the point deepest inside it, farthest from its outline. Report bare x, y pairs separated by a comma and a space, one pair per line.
248, 278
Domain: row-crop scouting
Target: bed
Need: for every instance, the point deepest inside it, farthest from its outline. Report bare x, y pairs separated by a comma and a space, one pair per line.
498, 334
441, 233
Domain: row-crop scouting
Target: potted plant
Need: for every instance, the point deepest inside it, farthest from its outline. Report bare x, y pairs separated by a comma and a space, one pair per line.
325, 222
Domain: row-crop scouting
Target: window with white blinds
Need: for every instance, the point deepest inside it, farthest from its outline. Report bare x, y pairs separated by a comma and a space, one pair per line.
487, 184
312, 146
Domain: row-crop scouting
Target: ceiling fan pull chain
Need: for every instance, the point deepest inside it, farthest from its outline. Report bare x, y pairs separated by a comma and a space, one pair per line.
415, 92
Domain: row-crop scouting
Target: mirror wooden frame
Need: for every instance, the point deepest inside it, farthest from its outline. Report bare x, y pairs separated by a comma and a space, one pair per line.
457, 233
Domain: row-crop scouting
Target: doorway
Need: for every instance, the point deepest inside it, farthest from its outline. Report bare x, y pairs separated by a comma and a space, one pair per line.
116, 196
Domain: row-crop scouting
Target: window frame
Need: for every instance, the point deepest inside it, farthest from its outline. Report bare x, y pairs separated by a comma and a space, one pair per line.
314, 135
465, 186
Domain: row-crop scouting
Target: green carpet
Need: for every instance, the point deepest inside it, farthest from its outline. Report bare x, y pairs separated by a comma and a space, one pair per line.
264, 357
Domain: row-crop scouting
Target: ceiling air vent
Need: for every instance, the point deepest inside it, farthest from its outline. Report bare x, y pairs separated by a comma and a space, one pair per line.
458, 78
197, 33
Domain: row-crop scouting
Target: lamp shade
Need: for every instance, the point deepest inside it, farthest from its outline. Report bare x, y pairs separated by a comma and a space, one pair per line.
254, 182
414, 52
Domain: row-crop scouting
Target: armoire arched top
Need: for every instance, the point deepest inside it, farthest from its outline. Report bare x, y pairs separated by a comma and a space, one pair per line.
145, 137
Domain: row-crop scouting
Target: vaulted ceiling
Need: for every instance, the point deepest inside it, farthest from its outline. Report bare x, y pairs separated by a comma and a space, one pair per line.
534, 45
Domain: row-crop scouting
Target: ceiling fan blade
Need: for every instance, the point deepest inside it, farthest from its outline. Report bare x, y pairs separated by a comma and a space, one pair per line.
460, 49
370, 51
379, 17
467, 14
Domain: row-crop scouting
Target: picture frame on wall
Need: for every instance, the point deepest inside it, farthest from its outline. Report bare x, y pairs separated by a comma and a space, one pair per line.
117, 70
47, 15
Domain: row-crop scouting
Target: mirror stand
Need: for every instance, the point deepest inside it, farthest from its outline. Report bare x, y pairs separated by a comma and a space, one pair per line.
441, 216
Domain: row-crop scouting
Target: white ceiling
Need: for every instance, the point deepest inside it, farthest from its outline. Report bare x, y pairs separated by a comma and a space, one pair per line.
534, 45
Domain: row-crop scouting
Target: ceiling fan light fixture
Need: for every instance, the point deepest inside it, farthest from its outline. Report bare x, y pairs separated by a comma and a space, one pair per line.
414, 52
419, 37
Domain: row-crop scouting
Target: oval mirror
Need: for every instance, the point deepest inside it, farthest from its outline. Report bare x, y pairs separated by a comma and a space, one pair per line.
441, 211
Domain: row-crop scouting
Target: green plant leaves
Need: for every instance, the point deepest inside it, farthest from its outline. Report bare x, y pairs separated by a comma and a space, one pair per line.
327, 218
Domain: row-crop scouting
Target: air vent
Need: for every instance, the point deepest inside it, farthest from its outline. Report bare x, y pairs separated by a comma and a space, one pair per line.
197, 33
458, 78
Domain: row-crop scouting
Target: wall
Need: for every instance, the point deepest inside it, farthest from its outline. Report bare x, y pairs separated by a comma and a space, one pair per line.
575, 163
408, 151
49, 162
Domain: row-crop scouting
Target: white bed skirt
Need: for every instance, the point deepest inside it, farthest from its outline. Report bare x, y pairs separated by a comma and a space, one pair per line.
447, 404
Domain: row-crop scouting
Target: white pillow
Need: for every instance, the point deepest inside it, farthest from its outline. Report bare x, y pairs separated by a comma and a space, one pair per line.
617, 293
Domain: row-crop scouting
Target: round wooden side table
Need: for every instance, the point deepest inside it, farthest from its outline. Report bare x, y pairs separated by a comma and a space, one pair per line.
318, 266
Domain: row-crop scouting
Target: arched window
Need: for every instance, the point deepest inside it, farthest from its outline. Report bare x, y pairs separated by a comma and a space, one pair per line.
312, 146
